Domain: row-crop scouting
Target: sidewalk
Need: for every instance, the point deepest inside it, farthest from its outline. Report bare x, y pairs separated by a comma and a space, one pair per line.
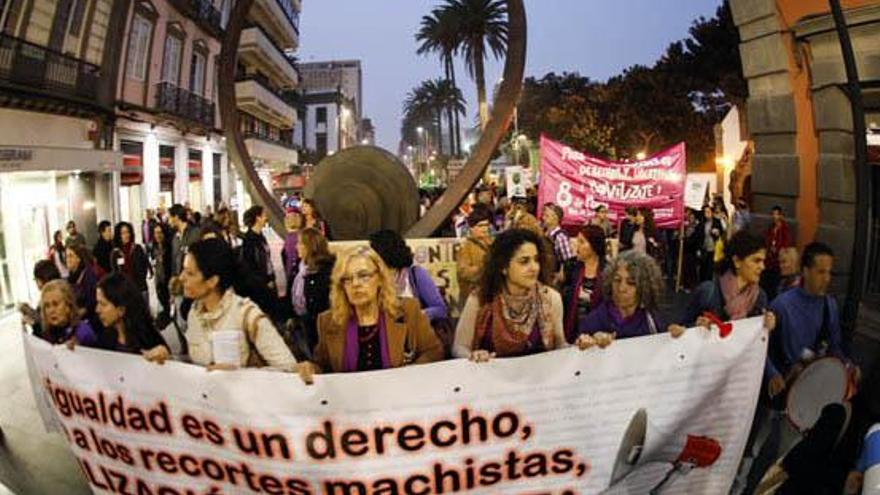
31, 460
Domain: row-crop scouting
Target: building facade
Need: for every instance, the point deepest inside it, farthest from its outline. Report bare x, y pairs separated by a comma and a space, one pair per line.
265, 88
58, 65
168, 127
332, 106
801, 124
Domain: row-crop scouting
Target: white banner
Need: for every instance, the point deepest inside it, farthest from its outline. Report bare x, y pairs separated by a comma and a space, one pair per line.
565, 422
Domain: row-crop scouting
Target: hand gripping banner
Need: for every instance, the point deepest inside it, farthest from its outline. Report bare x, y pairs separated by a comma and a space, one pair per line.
579, 183
643, 414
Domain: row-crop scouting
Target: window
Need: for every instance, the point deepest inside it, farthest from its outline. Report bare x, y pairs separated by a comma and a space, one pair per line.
321, 143
321, 115
171, 60
138, 48
10, 11
77, 19
197, 73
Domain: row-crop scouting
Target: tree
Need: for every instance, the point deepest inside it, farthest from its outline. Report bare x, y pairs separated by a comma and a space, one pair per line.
438, 33
482, 29
425, 106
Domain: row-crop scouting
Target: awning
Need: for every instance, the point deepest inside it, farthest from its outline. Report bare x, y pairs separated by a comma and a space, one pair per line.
42, 158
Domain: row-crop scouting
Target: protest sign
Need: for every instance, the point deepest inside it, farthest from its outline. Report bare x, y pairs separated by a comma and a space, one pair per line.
579, 183
616, 420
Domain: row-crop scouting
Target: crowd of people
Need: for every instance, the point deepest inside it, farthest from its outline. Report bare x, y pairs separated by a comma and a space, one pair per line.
527, 285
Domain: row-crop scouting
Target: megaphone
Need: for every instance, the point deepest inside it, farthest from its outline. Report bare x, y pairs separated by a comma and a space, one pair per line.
683, 452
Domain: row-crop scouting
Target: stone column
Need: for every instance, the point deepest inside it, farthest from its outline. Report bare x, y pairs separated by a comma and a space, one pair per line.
181, 172
771, 110
151, 181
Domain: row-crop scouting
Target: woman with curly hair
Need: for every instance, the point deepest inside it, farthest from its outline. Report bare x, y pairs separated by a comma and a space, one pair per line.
513, 313
368, 327
633, 286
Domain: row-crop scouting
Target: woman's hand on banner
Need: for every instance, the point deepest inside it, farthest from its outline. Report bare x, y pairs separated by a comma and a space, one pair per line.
604, 339
221, 367
585, 341
158, 354
481, 356
676, 330
769, 320
704, 322
71, 343
307, 371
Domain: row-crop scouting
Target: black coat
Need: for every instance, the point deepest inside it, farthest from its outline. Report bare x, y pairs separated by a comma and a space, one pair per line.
255, 257
698, 238
140, 265
627, 231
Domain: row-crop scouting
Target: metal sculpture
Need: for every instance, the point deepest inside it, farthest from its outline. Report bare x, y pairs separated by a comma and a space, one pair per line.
364, 189
492, 135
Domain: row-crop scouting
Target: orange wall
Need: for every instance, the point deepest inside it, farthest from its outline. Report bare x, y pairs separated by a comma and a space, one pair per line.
807, 142
793, 10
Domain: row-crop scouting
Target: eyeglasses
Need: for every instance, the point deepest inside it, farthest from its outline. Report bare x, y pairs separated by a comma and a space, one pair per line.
483, 224
362, 277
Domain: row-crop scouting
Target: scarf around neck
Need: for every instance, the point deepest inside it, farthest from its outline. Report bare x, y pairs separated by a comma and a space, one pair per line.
737, 303
510, 321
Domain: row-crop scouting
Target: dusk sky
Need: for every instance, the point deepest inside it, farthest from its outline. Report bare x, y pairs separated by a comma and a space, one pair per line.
598, 38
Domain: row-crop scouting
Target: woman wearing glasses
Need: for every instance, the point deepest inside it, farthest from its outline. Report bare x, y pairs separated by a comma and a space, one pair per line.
367, 326
512, 313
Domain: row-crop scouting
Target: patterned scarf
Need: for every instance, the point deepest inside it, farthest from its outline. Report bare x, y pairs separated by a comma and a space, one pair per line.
511, 319
737, 304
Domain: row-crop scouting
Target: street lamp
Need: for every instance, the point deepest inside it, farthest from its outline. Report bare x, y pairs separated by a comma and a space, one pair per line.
641, 155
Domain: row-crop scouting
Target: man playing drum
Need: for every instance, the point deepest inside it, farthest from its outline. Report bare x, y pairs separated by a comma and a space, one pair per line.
808, 320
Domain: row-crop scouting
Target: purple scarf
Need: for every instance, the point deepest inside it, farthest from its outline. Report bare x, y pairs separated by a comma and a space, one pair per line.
352, 345
292, 257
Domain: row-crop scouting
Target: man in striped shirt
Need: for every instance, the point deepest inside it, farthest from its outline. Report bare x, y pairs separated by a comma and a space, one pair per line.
552, 216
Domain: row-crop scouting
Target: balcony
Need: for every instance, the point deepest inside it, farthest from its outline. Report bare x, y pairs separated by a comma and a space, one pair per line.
274, 152
254, 95
32, 67
257, 49
180, 103
204, 13
280, 19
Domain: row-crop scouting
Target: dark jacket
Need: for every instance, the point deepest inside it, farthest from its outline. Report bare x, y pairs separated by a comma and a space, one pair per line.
627, 231
698, 237
708, 297
255, 257
101, 252
85, 286
573, 279
140, 265
162, 255
180, 244
316, 288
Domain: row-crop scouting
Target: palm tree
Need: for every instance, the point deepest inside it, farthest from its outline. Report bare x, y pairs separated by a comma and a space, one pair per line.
425, 106
438, 33
481, 26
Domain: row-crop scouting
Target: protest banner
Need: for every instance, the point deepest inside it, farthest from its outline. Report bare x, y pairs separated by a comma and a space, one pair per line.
517, 181
579, 183
438, 256
699, 189
625, 419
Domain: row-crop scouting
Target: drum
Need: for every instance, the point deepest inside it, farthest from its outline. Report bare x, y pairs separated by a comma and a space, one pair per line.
822, 382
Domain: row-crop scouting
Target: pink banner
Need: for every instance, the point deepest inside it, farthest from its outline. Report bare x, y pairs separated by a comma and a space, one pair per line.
579, 183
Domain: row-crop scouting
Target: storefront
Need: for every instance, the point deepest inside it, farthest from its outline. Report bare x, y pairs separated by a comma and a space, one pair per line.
41, 189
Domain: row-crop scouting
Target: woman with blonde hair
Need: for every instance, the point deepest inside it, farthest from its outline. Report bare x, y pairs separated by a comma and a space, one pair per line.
368, 327
61, 318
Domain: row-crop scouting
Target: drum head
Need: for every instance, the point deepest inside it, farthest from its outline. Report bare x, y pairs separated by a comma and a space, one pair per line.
823, 382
